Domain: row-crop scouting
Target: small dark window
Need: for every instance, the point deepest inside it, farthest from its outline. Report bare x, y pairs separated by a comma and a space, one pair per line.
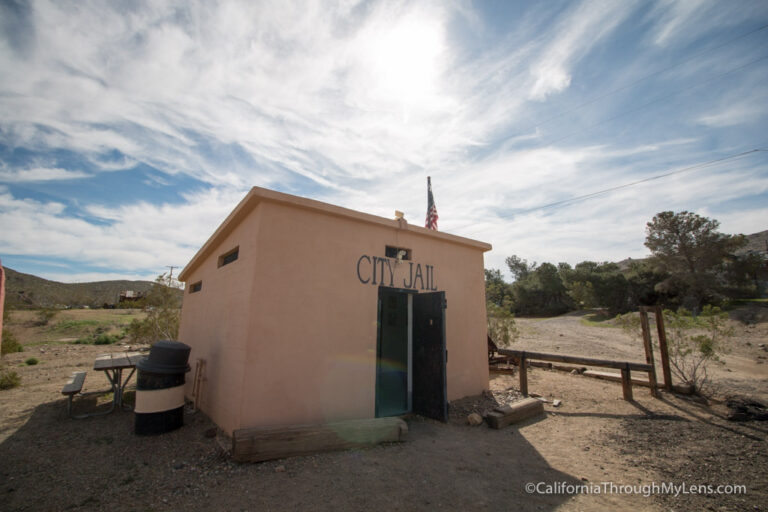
393, 252
196, 287
229, 257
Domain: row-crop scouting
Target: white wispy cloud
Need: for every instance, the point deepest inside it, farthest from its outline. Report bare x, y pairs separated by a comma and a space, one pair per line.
355, 103
137, 236
574, 36
41, 174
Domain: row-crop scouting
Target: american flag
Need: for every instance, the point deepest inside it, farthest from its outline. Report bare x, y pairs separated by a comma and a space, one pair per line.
431, 208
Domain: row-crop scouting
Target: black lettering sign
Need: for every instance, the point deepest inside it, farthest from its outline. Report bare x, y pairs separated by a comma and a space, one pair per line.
364, 281
410, 276
376, 270
418, 276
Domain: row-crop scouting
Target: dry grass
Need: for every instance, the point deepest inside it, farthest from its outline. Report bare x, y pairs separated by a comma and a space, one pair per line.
69, 325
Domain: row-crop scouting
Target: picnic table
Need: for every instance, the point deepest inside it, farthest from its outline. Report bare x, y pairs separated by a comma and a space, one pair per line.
113, 365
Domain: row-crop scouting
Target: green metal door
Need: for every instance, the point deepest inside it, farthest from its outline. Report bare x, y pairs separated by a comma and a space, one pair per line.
392, 354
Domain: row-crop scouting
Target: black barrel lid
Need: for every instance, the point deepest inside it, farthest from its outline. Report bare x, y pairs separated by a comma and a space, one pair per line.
166, 356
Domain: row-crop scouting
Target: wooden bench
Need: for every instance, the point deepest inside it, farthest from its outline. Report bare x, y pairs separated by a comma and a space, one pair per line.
73, 386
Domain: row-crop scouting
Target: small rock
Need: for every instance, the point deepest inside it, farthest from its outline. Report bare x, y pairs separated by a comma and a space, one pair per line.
474, 419
280, 469
574, 372
556, 403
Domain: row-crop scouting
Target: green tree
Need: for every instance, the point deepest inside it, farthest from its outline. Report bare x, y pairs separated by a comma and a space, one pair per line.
594, 285
692, 250
519, 267
501, 322
497, 291
538, 289
745, 274
163, 307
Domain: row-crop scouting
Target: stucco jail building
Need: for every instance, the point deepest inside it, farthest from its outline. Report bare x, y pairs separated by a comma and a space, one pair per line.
305, 312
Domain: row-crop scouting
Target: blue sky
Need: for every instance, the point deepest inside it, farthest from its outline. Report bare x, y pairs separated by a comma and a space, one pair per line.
128, 131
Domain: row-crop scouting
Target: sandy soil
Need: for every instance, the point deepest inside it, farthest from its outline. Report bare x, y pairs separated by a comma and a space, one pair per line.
595, 438
742, 370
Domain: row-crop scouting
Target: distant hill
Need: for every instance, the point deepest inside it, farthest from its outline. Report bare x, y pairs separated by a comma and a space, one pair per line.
756, 242
28, 291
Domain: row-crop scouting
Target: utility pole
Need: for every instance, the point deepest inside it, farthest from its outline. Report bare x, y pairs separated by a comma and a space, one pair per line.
170, 277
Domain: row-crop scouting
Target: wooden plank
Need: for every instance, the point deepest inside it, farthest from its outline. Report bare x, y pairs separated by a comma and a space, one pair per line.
135, 357
648, 351
259, 444
615, 377
103, 362
75, 384
514, 412
524, 375
682, 389
588, 361
663, 349
496, 369
626, 384
120, 361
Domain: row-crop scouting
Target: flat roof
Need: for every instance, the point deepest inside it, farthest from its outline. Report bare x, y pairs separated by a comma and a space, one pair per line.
258, 195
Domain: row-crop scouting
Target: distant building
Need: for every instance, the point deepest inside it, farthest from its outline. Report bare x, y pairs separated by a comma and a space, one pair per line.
130, 296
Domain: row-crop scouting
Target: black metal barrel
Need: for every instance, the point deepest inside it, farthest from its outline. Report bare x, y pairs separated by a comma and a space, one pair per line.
160, 388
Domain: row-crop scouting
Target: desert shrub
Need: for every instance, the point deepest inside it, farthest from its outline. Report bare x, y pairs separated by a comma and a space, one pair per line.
31, 361
98, 339
163, 310
630, 324
9, 379
45, 315
695, 342
106, 339
501, 325
10, 343
74, 326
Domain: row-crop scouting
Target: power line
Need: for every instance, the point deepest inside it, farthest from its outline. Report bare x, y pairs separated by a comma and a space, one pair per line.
644, 180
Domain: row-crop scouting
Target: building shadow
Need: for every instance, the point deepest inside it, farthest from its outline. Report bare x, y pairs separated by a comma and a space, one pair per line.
53, 462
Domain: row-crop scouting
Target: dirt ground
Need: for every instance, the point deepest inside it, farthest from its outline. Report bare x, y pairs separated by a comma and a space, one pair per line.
594, 440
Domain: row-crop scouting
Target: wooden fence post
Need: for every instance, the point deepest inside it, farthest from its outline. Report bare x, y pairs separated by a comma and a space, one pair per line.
523, 375
659, 314
648, 350
626, 383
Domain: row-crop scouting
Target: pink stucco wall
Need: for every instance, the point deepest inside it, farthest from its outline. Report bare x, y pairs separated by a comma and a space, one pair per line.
288, 331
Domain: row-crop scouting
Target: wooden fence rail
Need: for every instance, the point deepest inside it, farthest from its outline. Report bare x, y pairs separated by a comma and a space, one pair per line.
626, 368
